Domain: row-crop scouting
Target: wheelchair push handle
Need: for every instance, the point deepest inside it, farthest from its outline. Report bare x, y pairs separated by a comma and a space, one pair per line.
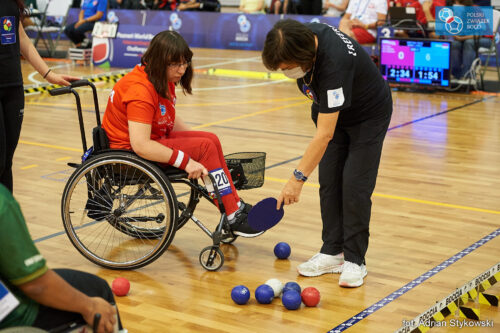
70, 89
67, 90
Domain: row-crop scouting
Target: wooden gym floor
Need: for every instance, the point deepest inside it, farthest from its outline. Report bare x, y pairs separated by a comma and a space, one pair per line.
438, 193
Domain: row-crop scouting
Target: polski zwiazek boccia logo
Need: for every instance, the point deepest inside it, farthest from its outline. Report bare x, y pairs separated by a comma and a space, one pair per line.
176, 21
244, 23
453, 24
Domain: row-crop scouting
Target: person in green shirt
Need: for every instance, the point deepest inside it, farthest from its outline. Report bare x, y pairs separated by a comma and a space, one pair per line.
48, 298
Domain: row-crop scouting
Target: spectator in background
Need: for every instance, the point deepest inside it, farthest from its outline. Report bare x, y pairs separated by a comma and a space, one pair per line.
464, 51
200, 5
310, 7
48, 298
362, 18
279, 7
429, 8
91, 12
335, 8
115, 4
251, 6
165, 4
30, 5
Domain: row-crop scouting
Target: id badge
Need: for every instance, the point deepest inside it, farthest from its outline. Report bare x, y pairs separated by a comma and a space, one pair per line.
221, 180
8, 302
8, 30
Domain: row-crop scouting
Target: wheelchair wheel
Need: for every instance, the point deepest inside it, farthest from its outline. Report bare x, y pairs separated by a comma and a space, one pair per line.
119, 211
211, 258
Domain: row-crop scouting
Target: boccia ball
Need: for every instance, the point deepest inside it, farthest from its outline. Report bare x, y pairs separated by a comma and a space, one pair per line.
240, 294
291, 286
310, 296
264, 294
291, 299
282, 250
120, 286
276, 285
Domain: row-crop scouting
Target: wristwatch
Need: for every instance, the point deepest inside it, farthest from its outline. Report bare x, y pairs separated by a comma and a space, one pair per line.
299, 175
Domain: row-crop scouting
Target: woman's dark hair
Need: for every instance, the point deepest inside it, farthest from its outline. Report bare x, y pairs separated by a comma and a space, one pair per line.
166, 48
20, 5
289, 41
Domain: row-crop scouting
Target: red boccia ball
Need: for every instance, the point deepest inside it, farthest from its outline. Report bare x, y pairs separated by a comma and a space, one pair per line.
120, 286
310, 296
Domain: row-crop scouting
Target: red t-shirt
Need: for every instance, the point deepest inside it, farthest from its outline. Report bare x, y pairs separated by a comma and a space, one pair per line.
134, 98
436, 3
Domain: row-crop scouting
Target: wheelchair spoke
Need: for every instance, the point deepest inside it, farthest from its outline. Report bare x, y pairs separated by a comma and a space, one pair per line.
117, 213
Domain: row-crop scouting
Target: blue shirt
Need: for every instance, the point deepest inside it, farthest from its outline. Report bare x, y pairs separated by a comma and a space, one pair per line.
91, 7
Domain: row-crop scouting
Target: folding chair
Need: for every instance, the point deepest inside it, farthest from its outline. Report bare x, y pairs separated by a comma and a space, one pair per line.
493, 49
54, 8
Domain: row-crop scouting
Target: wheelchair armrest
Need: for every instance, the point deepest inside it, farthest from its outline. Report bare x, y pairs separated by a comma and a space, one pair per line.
171, 171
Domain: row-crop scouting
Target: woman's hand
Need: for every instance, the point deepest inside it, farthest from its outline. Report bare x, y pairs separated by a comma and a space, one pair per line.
62, 80
290, 193
195, 170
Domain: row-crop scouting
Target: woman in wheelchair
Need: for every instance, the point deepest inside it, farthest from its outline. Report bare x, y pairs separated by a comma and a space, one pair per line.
140, 116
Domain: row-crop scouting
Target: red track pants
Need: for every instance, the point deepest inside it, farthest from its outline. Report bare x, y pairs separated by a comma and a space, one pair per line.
204, 148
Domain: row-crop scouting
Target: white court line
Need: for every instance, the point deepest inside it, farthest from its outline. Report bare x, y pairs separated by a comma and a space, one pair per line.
253, 59
229, 62
225, 87
32, 79
32, 75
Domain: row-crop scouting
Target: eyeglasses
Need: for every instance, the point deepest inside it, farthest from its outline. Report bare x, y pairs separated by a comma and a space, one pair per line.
178, 66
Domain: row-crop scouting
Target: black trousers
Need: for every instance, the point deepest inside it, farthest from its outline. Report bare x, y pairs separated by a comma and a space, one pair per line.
310, 7
347, 176
54, 320
11, 119
77, 35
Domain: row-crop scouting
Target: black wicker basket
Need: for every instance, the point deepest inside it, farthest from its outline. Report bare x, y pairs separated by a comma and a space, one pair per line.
247, 169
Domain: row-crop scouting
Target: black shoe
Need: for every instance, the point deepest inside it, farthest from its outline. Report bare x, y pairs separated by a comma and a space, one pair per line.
246, 207
86, 44
240, 226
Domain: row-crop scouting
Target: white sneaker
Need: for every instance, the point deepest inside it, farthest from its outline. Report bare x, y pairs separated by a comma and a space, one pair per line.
321, 264
352, 275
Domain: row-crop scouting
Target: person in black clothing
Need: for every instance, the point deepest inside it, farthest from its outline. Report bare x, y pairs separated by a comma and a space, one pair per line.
13, 43
352, 108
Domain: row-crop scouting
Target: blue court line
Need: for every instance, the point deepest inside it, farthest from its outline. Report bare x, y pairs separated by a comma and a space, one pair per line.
403, 290
386, 300
439, 113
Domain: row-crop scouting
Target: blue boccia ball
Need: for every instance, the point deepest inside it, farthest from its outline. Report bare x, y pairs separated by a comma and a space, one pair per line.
240, 294
282, 250
264, 294
292, 286
291, 299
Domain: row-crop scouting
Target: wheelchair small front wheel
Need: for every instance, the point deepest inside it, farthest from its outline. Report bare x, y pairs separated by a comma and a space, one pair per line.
211, 258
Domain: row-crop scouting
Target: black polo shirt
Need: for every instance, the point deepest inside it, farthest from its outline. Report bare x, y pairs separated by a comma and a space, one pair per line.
10, 54
344, 78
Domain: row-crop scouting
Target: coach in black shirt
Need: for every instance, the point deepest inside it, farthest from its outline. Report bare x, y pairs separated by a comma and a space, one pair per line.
352, 107
13, 43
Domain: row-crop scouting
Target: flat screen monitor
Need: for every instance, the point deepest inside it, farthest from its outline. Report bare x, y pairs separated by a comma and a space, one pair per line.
415, 61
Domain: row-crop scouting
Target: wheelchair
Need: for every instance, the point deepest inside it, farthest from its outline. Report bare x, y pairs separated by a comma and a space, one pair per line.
121, 211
